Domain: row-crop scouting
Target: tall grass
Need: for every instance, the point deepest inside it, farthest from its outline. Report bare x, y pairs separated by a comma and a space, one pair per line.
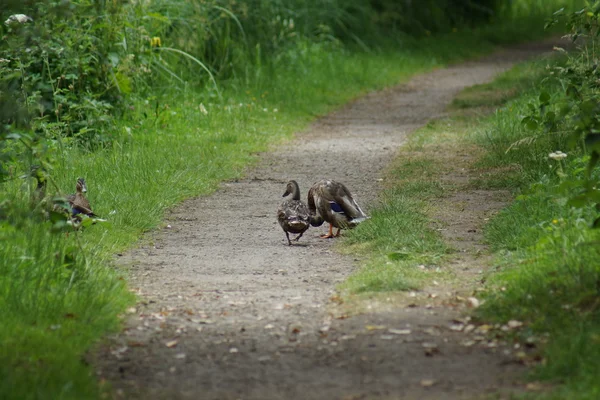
547, 269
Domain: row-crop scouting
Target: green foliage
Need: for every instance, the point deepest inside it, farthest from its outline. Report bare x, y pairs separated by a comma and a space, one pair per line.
55, 301
56, 69
575, 112
545, 248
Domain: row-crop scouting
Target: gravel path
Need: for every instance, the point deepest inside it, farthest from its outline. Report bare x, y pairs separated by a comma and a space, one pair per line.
230, 311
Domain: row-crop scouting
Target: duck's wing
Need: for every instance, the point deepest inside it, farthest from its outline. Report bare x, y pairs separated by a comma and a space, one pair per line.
341, 200
81, 205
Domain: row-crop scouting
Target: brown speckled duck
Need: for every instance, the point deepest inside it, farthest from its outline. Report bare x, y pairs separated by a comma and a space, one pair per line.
331, 201
78, 202
293, 214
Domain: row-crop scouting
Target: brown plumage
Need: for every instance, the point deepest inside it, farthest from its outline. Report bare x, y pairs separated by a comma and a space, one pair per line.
331, 201
293, 215
78, 202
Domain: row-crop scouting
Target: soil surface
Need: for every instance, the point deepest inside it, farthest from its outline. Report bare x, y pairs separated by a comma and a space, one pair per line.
229, 311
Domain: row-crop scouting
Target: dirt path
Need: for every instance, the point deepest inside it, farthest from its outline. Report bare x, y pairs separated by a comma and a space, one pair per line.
231, 312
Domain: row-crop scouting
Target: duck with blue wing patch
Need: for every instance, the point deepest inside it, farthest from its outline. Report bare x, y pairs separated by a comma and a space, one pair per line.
332, 202
293, 214
78, 202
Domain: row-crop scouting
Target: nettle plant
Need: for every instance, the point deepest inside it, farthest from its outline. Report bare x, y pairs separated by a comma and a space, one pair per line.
65, 65
576, 114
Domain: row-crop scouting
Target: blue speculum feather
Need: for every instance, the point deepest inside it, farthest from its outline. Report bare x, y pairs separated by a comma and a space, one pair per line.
335, 207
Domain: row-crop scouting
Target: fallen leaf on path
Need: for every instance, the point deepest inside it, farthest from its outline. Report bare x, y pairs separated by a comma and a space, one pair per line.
233, 350
534, 386
469, 328
374, 327
427, 382
171, 343
456, 327
431, 331
430, 349
131, 310
119, 350
180, 356
513, 324
399, 331
336, 299
473, 302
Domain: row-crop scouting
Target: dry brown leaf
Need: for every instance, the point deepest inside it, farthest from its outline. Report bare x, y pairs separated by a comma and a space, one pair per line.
534, 386
427, 382
374, 327
171, 343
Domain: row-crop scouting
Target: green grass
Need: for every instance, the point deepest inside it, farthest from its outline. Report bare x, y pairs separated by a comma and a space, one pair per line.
60, 294
399, 236
546, 255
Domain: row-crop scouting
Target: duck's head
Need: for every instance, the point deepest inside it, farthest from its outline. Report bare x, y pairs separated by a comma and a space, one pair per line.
81, 186
293, 189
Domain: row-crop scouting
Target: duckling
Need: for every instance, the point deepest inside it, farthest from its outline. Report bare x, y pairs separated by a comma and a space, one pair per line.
293, 214
331, 201
78, 202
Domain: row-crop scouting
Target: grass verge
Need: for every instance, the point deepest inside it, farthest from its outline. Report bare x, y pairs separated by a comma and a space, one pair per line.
546, 254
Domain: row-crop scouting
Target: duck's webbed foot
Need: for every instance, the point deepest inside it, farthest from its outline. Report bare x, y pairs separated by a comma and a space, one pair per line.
287, 235
329, 235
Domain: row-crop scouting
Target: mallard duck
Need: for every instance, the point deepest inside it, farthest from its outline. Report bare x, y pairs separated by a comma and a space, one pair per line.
331, 201
293, 214
78, 202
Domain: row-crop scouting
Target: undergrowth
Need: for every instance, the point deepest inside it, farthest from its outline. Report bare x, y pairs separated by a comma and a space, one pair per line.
545, 244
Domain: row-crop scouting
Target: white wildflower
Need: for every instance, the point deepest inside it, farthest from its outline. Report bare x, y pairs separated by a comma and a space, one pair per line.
557, 155
203, 109
19, 18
